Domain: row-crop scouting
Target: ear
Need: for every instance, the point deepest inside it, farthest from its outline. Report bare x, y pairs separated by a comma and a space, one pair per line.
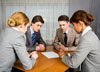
68, 23
33, 23
21, 26
82, 25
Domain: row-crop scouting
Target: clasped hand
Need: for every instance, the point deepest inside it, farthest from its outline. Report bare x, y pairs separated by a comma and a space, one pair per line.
34, 55
40, 47
62, 50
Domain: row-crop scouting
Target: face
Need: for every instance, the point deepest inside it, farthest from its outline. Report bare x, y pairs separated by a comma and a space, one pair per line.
78, 27
36, 26
64, 25
23, 28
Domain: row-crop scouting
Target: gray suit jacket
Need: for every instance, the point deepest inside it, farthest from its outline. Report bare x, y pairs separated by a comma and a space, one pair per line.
72, 37
38, 39
12, 44
87, 54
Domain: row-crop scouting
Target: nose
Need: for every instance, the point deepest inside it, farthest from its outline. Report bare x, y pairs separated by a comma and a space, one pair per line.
38, 28
61, 27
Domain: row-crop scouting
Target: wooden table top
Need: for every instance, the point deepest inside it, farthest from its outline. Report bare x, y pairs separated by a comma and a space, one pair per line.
43, 64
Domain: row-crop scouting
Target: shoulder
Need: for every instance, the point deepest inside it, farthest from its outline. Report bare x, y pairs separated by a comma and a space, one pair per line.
11, 31
28, 29
15, 33
58, 30
19, 38
71, 30
90, 35
11, 35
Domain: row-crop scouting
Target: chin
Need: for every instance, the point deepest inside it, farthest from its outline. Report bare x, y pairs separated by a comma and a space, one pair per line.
63, 30
78, 32
36, 31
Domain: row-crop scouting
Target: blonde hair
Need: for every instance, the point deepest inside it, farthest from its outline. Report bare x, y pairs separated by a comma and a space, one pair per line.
17, 19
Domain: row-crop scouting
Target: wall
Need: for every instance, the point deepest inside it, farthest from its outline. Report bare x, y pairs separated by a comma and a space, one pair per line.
91, 6
48, 9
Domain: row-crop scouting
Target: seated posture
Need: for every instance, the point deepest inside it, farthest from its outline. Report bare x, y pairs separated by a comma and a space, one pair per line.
33, 35
88, 50
12, 44
65, 35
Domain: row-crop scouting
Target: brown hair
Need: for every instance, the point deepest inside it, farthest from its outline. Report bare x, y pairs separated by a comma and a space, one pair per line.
18, 18
82, 15
63, 18
37, 18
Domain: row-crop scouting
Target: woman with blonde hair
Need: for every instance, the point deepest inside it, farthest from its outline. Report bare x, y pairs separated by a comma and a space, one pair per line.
88, 51
13, 44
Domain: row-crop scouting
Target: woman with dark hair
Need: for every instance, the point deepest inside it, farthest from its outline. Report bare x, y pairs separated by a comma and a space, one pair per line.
87, 54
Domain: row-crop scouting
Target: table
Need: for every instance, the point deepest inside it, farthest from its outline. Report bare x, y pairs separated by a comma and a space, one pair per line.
43, 64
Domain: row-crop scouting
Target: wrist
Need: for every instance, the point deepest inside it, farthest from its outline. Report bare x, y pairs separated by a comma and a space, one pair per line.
61, 56
69, 54
66, 49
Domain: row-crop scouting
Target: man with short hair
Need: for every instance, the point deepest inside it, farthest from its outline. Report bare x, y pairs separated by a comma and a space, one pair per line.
33, 35
65, 35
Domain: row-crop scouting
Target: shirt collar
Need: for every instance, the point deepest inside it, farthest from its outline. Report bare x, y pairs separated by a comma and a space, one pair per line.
31, 30
15, 28
66, 31
86, 30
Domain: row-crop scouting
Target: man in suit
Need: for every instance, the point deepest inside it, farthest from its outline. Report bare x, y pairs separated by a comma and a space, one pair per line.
65, 35
33, 35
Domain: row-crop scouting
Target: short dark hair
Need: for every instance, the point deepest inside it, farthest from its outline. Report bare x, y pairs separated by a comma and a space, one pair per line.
37, 18
63, 18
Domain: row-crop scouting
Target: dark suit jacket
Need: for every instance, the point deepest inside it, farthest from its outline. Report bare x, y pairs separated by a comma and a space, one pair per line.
38, 39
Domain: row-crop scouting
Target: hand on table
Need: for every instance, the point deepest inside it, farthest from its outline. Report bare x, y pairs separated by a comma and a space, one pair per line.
61, 53
34, 54
40, 47
61, 48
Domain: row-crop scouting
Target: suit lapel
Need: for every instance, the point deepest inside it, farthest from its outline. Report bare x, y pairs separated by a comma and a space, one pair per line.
29, 35
62, 36
69, 37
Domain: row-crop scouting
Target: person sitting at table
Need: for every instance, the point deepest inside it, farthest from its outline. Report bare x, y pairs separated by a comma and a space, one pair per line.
65, 35
13, 42
88, 50
33, 35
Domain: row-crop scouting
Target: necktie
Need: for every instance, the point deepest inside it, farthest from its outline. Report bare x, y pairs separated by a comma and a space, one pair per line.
65, 38
33, 37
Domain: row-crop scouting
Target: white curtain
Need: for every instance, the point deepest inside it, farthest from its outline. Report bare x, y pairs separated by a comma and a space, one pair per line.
50, 10
91, 6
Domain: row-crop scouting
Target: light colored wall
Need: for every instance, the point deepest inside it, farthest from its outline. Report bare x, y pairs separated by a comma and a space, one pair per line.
50, 10
0, 16
91, 6
98, 22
